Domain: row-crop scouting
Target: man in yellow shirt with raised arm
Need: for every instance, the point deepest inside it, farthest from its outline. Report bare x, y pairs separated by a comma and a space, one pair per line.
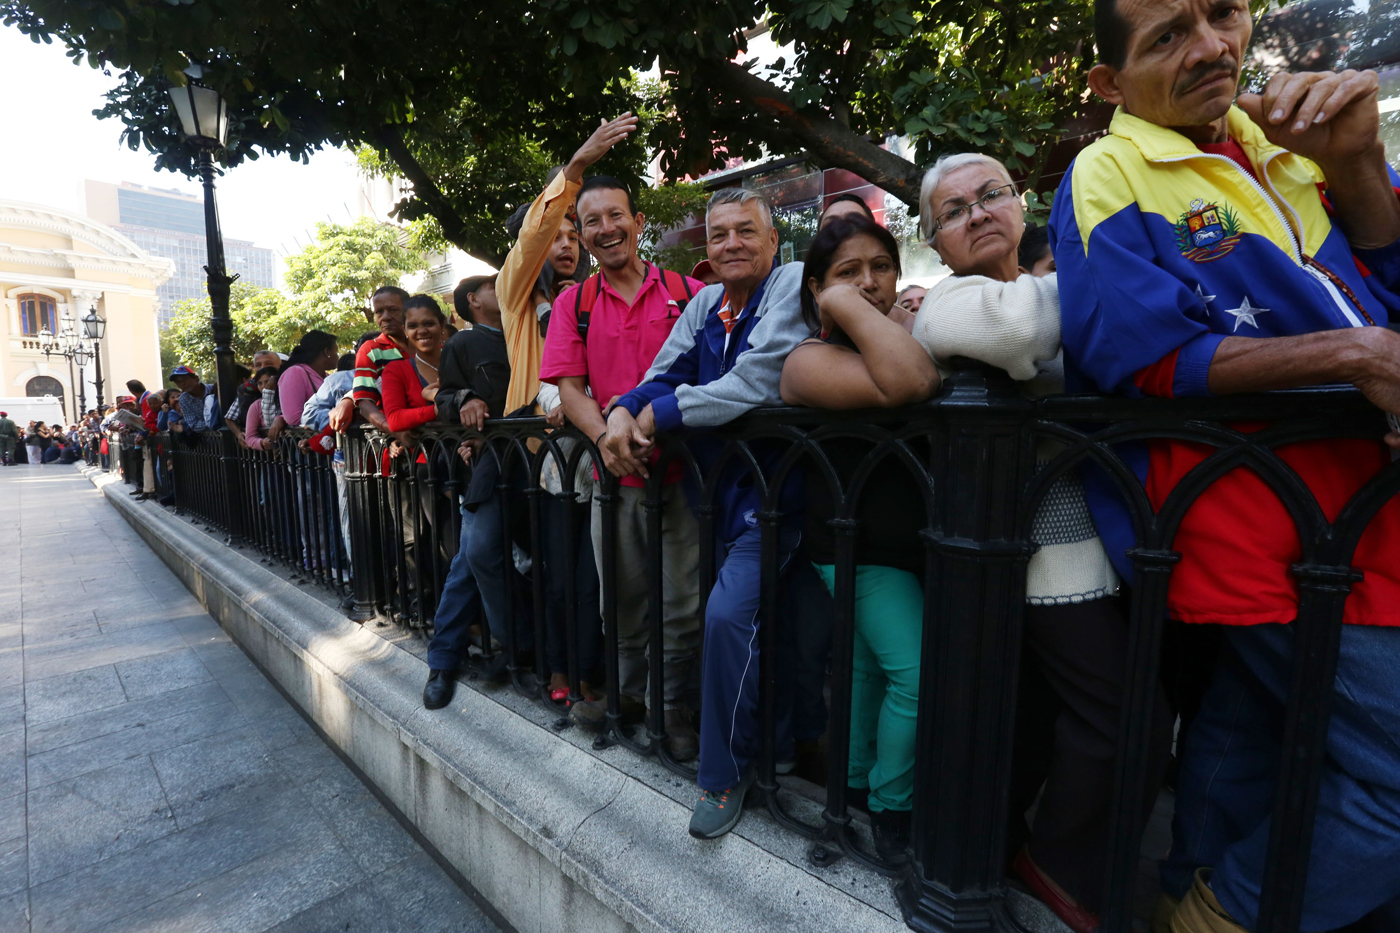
546, 235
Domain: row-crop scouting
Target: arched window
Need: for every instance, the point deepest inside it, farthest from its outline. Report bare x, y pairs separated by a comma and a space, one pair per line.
40, 386
37, 312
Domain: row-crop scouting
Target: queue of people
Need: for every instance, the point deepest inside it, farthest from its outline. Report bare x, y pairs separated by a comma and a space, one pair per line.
1136, 287
1205, 246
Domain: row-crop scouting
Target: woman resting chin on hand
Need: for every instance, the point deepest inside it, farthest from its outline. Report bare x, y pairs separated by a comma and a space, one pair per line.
863, 358
866, 360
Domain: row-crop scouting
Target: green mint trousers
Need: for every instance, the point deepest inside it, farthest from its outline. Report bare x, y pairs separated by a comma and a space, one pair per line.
889, 621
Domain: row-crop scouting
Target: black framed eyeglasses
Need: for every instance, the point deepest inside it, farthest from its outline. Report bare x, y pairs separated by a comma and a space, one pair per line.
952, 219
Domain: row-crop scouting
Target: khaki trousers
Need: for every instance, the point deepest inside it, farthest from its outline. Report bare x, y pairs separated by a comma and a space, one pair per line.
680, 590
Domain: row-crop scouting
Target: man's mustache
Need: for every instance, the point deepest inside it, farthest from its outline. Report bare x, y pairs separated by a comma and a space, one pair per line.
1205, 72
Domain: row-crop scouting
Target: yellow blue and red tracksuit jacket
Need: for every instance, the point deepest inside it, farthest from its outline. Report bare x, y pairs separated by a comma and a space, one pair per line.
1163, 251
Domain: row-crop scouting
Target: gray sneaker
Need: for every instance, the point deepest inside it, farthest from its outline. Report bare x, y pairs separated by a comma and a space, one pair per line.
717, 812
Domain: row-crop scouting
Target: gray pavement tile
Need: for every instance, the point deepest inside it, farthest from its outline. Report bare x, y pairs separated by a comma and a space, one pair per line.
14, 869
12, 772
160, 673
67, 695
11, 695
123, 884
115, 615
216, 774
49, 660
40, 632
76, 823
305, 759
252, 693
426, 900
11, 718
14, 913
281, 884
284, 730
11, 814
354, 910
70, 761
200, 630
82, 727
224, 655
375, 839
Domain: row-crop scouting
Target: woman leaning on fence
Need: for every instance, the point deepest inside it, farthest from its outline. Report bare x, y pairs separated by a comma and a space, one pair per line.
409, 387
863, 359
993, 310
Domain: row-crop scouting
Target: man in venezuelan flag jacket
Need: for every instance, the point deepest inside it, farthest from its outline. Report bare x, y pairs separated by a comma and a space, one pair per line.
1205, 248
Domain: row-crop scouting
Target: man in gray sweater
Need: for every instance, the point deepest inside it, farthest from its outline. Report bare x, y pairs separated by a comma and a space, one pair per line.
723, 358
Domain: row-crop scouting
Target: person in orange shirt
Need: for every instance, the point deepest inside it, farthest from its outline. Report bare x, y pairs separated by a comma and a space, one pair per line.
546, 235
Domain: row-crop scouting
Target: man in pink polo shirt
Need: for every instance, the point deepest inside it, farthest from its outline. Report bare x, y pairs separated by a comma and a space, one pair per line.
603, 336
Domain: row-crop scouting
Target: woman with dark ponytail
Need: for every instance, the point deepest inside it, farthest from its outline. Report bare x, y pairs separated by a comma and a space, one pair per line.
304, 371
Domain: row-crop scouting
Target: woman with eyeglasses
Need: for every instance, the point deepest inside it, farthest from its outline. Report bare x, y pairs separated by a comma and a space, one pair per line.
863, 359
994, 310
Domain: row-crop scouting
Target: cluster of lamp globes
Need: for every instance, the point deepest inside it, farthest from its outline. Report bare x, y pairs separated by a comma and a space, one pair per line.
80, 348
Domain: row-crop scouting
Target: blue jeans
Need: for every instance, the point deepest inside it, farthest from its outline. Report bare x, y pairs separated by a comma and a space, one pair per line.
476, 581
1230, 766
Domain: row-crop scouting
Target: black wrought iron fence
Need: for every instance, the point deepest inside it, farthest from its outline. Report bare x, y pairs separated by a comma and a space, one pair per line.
975, 456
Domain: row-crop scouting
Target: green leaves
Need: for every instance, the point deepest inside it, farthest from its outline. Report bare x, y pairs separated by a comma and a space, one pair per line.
487, 96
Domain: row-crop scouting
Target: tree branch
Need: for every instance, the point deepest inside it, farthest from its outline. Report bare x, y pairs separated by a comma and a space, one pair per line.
454, 230
822, 136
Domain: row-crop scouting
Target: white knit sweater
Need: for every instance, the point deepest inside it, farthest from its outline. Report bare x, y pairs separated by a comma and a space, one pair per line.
1015, 326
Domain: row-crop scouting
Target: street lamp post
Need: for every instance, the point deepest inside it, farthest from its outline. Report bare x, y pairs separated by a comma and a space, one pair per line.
65, 343
204, 121
82, 356
95, 328
68, 340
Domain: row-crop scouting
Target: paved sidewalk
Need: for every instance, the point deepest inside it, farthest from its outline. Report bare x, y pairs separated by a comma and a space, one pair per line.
150, 778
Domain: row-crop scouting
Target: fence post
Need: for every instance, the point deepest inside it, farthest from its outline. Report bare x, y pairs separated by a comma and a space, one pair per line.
362, 505
974, 595
232, 487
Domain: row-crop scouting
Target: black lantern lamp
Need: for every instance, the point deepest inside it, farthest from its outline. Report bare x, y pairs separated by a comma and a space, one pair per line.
94, 329
204, 121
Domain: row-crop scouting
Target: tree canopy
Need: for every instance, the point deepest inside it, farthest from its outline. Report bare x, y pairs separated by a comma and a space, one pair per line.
329, 284
472, 101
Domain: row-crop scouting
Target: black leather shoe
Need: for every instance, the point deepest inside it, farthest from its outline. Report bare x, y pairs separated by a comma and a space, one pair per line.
891, 830
438, 692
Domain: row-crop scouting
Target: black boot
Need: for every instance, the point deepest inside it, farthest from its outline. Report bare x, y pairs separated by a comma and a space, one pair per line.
891, 829
438, 692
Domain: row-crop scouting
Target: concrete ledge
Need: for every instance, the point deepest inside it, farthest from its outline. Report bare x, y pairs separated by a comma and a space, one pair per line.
554, 836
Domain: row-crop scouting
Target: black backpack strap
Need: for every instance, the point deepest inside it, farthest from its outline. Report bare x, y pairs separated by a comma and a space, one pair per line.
584, 309
668, 281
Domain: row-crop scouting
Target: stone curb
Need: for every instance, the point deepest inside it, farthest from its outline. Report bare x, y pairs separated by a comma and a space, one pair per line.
551, 836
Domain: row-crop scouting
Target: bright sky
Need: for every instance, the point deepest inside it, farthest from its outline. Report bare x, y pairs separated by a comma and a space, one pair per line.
54, 142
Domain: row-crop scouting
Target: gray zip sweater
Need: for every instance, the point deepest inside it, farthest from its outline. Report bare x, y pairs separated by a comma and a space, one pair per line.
705, 376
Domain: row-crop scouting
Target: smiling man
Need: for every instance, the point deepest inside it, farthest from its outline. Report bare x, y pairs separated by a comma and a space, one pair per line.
1205, 248
724, 358
603, 336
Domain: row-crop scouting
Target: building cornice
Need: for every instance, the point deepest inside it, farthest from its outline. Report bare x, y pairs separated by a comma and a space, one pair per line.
116, 252
71, 285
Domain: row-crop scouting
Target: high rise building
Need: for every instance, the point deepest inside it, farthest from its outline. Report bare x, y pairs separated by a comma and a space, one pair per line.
170, 223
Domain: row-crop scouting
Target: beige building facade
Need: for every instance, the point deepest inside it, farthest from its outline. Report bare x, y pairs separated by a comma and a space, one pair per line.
56, 264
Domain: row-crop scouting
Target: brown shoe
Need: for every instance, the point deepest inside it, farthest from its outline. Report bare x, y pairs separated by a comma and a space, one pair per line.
681, 742
593, 714
1200, 912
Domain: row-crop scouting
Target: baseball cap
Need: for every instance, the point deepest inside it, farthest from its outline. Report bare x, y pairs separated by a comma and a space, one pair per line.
702, 268
183, 371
